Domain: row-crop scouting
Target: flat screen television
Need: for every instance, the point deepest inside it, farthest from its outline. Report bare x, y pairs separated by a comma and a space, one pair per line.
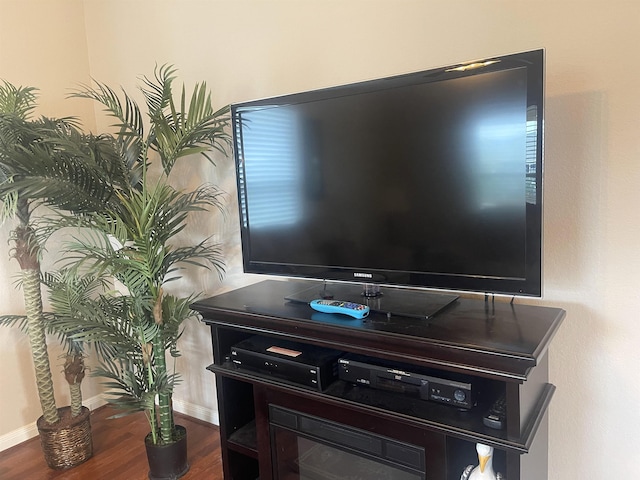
430, 179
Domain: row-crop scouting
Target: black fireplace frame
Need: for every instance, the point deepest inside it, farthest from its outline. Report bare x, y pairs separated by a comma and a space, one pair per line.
392, 457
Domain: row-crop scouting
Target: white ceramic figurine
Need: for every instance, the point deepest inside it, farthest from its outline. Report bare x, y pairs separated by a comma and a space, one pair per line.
484, 471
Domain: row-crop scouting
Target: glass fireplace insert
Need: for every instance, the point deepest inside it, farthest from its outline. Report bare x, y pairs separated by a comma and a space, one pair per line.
306, 447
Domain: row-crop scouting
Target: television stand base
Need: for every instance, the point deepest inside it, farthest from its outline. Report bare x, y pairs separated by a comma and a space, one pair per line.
393, 301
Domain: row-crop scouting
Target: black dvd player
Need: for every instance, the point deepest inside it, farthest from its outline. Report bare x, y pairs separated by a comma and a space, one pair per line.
298, 363
395, 378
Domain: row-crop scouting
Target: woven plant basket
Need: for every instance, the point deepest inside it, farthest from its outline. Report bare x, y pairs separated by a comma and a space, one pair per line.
68, 442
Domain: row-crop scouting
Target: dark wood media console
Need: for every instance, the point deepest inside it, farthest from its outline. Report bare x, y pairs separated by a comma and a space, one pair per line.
499, 348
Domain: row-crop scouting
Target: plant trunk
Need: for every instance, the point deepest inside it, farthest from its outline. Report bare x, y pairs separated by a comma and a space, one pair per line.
74, 374
38, 342
165, 413
26, 253
76, 399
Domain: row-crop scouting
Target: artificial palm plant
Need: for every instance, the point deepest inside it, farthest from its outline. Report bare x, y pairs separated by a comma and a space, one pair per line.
16, 105
38, 158
68, 295
133, 239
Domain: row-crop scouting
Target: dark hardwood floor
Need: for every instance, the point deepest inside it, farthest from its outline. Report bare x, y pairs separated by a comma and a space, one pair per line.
118, 452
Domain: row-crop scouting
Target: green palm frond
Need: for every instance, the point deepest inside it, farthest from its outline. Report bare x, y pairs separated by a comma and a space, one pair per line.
63, 181
129, 387
128, 118
89, 250
144, 225
167, 209
144, 211
111, 325
9, 206
68, 295
55, 164
203, 255
175, 311
158, 92
19, 101
189, 128
129, 125
17, 132
19, 321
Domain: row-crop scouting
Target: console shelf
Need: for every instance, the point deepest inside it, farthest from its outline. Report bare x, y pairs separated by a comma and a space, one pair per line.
500, 348
243, 440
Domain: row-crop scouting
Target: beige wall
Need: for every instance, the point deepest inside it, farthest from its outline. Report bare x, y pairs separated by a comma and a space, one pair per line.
249, 49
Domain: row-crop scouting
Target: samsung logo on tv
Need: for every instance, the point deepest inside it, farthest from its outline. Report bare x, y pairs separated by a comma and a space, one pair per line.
362, 275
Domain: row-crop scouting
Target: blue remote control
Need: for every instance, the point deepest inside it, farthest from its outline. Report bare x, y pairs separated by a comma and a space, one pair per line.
355, 310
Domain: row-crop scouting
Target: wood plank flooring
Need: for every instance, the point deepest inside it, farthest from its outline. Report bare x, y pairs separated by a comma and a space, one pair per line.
118, 452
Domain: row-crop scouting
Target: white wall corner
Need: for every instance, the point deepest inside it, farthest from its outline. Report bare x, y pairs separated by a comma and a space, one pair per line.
196, 411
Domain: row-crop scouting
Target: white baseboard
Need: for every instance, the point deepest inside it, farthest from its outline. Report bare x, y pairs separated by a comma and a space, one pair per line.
26, 432
17, 436
94, 402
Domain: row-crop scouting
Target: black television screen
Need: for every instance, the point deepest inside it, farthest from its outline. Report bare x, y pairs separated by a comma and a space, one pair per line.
429, 179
